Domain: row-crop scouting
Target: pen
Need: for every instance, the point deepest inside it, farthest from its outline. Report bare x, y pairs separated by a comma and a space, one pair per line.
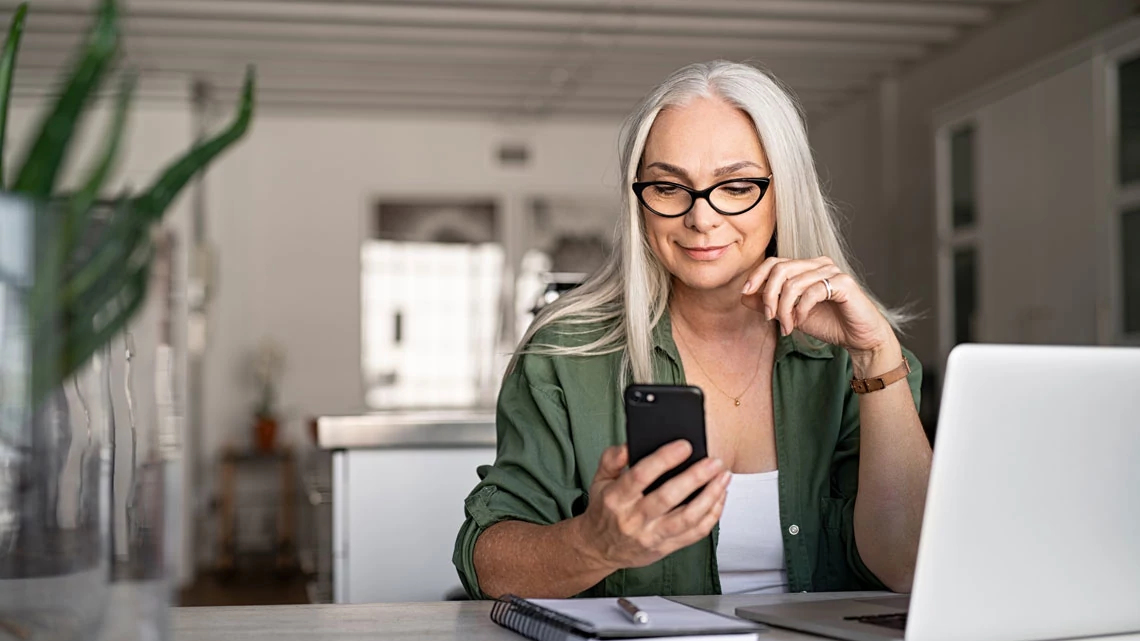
636, 614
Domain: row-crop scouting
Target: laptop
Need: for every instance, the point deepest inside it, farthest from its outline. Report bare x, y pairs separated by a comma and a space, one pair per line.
1032, 523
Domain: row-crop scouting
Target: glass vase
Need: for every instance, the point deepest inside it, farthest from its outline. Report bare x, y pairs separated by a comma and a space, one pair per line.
89, 494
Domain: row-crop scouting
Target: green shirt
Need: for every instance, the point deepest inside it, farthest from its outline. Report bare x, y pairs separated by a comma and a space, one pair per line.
556, 414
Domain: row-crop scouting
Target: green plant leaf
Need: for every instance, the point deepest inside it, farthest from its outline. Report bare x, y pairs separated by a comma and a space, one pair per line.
68, 299
75, 314
92, 303
79, 204
109, 320
127, 231
7, 71
79, 215
158, 197
40, 169
65, 351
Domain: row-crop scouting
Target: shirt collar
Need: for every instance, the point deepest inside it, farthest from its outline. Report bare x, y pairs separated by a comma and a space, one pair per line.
797, 342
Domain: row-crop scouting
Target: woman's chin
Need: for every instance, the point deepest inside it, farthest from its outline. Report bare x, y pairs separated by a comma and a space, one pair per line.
707, 280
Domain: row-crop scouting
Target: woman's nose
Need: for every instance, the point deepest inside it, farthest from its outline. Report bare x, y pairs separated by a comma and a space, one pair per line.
702, 217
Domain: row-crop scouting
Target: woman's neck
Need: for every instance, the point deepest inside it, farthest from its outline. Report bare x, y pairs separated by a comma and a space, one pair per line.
716, 315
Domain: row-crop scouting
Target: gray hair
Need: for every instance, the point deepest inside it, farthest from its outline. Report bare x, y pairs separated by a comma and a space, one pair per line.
626, 298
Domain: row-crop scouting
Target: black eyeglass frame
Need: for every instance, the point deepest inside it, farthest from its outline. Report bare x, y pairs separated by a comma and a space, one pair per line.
696, 194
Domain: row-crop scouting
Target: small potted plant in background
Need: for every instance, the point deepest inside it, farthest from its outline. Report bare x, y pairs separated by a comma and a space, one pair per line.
268, 363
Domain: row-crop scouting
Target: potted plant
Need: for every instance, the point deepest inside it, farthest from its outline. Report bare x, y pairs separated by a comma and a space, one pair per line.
86, 492
268, 364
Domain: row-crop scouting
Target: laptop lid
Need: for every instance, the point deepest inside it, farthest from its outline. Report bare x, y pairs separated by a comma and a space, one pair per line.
1032, 521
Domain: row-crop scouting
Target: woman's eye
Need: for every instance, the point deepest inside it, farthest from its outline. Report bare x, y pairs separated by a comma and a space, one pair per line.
739, 189
664, 190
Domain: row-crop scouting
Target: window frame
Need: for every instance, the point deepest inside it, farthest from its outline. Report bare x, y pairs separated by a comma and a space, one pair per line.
951, 239
1121, 198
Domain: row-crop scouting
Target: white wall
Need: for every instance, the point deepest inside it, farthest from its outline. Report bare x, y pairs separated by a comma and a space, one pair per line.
855, 189
288, 210
1037, 223
902, 211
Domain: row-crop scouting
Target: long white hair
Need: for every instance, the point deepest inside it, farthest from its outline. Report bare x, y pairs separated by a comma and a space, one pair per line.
618, 307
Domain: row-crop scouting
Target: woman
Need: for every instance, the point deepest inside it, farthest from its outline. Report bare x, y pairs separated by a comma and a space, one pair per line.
728, 275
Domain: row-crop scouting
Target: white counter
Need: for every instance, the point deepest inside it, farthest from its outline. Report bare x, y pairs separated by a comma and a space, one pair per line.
398, 484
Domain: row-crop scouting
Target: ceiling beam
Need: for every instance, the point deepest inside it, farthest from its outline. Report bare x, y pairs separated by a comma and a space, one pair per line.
208, 32
546, 21
956, 12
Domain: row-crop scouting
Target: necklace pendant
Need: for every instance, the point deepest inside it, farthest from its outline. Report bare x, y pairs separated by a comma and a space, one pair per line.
737, 401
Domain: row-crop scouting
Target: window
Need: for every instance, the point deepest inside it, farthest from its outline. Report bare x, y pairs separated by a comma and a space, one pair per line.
430, 301
1128, 197
959, 254
1129, 109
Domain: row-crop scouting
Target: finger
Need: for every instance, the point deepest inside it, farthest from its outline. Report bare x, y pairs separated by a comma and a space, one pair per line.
708, 523
650, 468
812, 296
770, 292
679, 522
843, 286
613, 461
687, 517
794, 288
677, 489
760, 275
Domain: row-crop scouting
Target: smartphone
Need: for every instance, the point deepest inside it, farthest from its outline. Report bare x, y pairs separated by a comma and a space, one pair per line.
656, 415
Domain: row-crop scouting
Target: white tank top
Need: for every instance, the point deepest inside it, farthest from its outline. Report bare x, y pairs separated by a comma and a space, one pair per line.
750, 547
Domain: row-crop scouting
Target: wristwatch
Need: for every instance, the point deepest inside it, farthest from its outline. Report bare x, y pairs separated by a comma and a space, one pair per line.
868, 385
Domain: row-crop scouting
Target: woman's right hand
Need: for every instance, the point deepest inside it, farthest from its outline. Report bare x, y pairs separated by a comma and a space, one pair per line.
622, 528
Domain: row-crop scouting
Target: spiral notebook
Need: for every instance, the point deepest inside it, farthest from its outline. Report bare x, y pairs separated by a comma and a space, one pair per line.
569, 619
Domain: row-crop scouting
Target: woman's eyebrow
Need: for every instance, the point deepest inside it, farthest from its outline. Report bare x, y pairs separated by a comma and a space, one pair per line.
723, 171
735, 167
669, 169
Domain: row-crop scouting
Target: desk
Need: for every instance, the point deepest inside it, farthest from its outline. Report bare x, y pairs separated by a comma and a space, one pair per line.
439, 621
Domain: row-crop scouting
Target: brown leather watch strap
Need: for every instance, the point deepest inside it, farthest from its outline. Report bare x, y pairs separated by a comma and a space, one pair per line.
874, 384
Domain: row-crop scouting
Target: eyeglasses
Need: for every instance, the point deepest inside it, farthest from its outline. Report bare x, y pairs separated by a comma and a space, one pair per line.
728, 198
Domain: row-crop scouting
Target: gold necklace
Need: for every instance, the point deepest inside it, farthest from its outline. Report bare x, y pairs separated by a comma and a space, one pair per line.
735, 399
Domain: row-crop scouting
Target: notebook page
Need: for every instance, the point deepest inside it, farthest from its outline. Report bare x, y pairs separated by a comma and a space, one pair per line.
666, 617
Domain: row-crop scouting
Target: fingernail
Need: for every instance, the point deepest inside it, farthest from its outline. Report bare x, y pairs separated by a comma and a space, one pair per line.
783, 330
717, 463
768, 312
726, 477
747, 286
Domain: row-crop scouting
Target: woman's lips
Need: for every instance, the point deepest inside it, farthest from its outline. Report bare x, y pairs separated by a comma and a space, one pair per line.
705, 253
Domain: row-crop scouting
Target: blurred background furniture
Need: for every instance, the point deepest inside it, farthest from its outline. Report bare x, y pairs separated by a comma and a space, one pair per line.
243, 511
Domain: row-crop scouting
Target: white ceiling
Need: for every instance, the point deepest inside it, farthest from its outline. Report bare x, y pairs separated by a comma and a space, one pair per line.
575, 58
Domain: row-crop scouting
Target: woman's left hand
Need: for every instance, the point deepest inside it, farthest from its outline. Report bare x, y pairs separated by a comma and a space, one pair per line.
793, 292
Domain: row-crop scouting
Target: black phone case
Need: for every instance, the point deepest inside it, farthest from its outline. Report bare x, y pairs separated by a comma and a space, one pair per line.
676, 412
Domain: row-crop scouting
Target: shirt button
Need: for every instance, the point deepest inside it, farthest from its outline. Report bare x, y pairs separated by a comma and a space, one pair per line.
793, 529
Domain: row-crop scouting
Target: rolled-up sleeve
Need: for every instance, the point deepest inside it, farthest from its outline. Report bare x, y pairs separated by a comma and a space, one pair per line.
838, 517
534, 475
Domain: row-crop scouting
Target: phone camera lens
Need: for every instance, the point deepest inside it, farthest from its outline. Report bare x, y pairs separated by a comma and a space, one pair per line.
649, 398
637, 396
